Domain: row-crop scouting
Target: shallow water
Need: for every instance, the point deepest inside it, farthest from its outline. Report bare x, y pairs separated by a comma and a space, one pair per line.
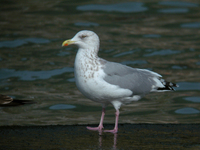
131, 136
162, 36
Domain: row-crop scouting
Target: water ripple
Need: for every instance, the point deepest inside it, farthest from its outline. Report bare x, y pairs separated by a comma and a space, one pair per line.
174, 10
179, 67
124, 53
138, 62
162, 52
151, 35
20, 42
61, 106
191, 25
179, 4
86, 24
32, 75
128, 7
193, 99
187, 111
188, 86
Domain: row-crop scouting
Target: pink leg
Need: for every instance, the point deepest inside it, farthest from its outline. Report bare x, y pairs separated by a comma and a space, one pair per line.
116, 123
100, 127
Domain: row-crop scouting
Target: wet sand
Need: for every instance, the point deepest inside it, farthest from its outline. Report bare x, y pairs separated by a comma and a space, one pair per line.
130, 136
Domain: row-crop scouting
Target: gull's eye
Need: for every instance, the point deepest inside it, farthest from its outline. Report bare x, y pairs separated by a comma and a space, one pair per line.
82, 36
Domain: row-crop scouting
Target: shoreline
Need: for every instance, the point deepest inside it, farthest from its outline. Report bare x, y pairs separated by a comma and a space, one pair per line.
137, 136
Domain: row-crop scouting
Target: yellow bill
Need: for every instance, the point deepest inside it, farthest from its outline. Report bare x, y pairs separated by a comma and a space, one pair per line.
67, 42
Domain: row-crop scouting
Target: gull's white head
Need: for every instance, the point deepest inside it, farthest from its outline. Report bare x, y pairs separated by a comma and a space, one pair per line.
84, 39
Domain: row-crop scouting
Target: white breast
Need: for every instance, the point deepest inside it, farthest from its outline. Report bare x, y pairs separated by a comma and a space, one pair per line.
89, 80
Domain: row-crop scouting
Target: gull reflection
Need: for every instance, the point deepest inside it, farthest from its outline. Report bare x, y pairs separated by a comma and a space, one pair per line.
114, 140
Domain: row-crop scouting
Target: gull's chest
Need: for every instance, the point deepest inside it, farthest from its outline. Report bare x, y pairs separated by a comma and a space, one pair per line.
87, 75
86, 68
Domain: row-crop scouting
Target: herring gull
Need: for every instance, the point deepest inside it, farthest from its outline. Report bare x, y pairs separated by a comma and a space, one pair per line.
108, 82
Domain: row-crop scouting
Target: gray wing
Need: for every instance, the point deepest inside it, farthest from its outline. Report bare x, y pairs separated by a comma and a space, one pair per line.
139, 81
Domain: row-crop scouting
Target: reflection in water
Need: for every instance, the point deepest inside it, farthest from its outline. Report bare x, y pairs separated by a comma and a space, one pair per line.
114, 140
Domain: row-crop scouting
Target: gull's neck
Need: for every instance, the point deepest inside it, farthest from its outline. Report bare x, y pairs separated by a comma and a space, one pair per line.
87, 53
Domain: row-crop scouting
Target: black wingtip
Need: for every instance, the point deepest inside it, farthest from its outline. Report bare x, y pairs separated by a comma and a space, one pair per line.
168, 86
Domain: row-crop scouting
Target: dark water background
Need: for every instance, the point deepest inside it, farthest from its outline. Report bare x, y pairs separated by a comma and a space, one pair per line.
162, 36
